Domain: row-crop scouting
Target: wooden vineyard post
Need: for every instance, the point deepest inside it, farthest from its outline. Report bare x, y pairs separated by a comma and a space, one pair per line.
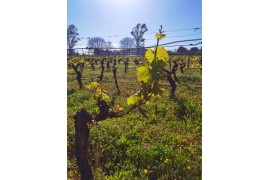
81, 144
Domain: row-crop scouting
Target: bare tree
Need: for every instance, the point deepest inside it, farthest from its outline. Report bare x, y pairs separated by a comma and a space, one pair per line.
109, 45
138, 32
72, 37
97, 43
126, 43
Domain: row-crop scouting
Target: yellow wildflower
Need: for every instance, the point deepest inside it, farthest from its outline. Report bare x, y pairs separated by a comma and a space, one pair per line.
166, 160
92, 85
145, 171
119, 107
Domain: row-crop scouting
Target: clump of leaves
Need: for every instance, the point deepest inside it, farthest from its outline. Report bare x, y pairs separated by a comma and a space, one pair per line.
97, 91
149, 73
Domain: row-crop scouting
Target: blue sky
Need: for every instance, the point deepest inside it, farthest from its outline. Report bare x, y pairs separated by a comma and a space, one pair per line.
97, 18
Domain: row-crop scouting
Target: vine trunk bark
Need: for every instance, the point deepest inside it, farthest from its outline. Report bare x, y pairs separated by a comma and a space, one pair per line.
81, 144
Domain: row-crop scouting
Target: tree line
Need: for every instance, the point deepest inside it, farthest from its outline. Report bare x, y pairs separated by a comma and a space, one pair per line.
102, 47
184, 51
129, 45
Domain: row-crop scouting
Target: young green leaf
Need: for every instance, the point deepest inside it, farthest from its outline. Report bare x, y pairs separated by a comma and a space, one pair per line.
143, 73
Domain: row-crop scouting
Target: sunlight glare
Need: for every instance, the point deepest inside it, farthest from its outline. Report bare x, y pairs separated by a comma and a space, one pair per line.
120, 3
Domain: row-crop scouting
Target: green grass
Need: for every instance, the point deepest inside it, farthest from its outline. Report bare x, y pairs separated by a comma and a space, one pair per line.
168, 145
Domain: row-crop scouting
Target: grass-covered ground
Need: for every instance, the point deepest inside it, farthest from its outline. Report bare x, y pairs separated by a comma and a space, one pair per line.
167, 145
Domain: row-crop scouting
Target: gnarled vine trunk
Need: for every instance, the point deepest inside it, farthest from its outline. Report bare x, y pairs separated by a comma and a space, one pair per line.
102, 70
79, 74
115, 80
173, 86
79, 79
81, 144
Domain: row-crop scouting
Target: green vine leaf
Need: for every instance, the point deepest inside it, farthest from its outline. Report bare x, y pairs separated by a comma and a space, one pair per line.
149, 55
162, 54
132, 100
143, 73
